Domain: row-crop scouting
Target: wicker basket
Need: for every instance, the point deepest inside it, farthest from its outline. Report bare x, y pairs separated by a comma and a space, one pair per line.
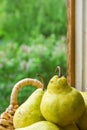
6, 118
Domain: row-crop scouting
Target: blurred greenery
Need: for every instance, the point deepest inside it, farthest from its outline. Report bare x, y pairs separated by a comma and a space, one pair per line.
32, 18
32, 41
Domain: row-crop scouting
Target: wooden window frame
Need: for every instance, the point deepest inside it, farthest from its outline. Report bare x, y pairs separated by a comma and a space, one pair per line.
71, 42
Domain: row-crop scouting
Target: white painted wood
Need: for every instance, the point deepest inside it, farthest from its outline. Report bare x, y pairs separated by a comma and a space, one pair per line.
78, 45
81, 44
84, 45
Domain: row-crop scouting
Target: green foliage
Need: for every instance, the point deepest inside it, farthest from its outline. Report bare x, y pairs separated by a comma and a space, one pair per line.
21, 61
35, 30
29, 18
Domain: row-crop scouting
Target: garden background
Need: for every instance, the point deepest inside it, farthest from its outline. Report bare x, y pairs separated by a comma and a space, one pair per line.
32, 41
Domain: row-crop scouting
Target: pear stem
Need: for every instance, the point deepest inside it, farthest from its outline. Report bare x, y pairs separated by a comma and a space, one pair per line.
58, 69
43, 81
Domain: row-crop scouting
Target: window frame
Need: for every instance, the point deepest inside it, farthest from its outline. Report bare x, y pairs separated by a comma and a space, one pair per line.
71, 42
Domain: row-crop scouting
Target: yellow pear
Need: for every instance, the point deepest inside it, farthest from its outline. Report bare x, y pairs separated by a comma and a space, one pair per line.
41, 125
82, 122
29, 112
71, 127
61, 103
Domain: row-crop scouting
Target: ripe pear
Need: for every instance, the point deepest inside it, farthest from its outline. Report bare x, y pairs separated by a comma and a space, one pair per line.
82, 121
41, 125
61, 103
29, 112
71, 127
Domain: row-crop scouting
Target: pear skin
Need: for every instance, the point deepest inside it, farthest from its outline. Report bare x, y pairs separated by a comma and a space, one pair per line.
61, 103
82, 121
71, 127
42, 125
29, 112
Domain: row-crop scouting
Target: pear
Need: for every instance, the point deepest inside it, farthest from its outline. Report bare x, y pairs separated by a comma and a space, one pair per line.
82, 121
71, 127
61, 103
41, 125
29, 112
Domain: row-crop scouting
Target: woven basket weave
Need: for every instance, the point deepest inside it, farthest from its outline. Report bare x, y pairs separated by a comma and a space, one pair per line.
6, 118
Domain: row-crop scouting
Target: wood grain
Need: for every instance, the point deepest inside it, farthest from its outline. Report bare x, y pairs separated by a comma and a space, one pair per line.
71, 42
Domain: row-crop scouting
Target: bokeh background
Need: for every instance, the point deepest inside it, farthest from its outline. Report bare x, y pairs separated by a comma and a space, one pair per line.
32, 41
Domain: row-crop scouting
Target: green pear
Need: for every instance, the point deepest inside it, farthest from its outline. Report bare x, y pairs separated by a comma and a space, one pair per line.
61, 103
29, 112
41, 125
82, 121
71, 127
